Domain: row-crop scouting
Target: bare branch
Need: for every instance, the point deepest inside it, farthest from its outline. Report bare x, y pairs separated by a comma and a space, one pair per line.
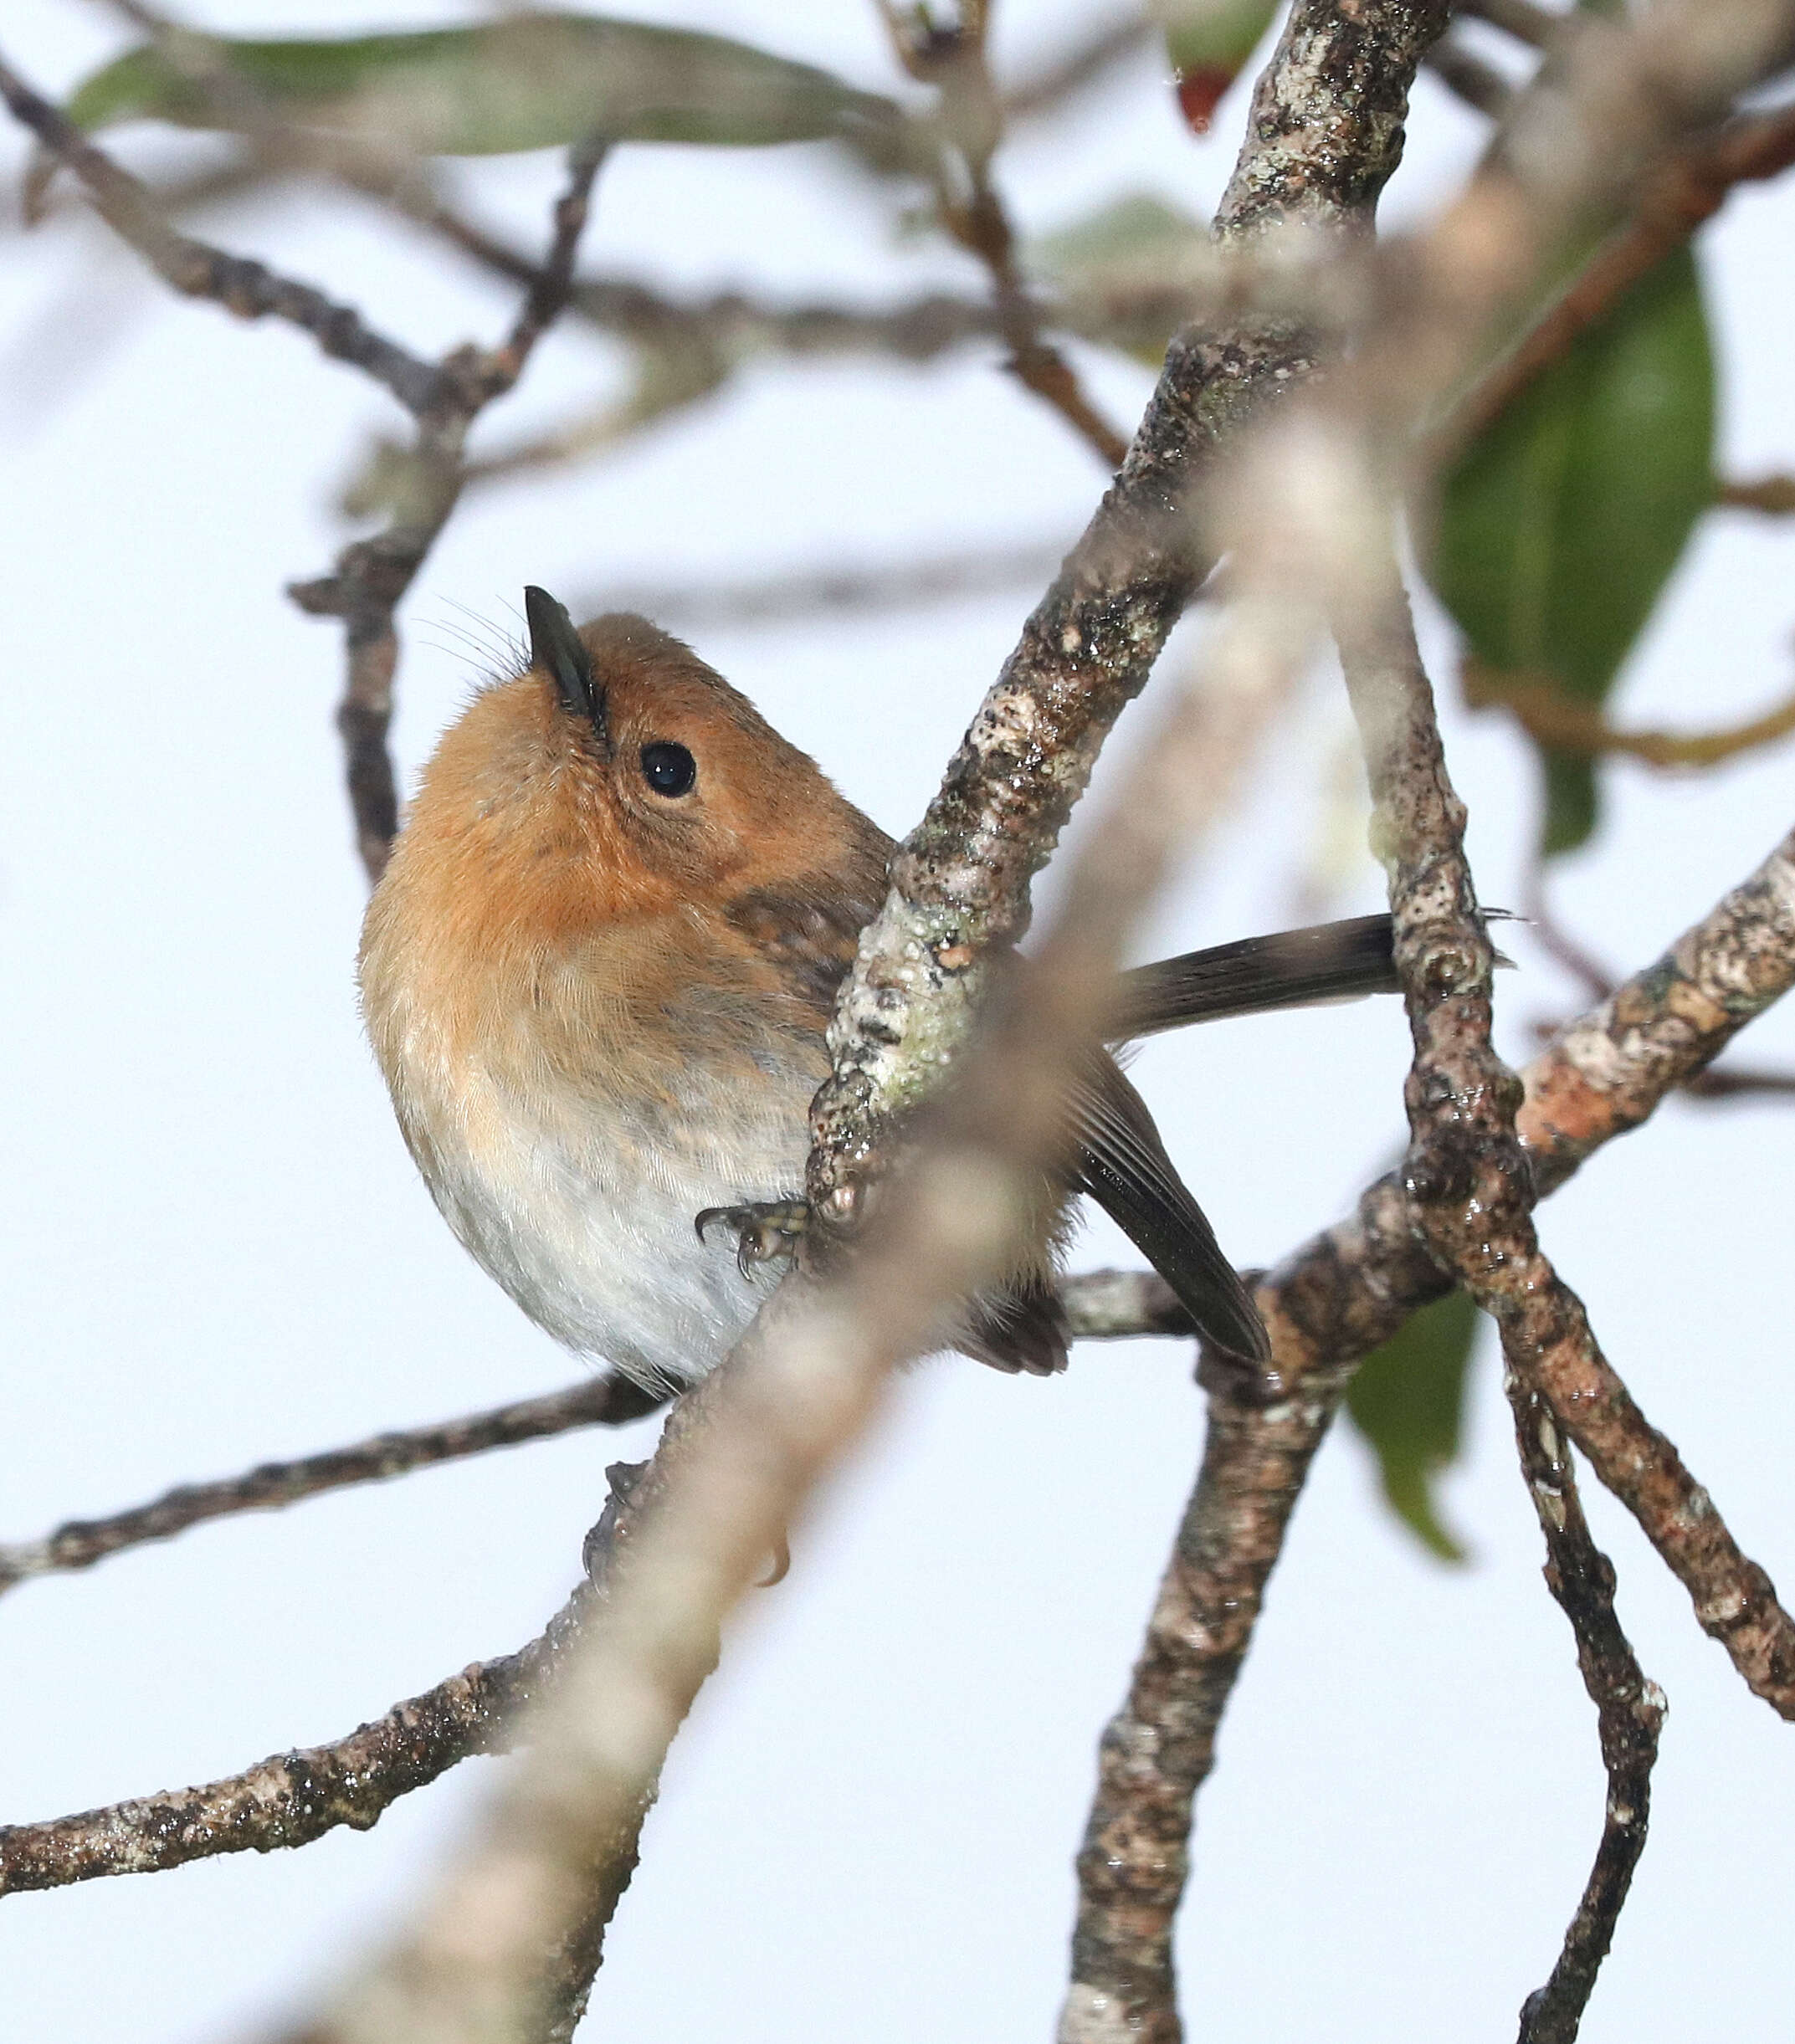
845, 588
1607, 1071
602, 1401
1552, 718
971, 209
1629, 1711
372, 576
1774, 496
1065, 76
289, 1799
1328, 1305
1158, 1748
1101, 1305
1679, 197
197, 270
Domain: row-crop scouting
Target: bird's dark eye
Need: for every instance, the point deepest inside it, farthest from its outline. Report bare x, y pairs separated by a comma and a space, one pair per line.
669, 770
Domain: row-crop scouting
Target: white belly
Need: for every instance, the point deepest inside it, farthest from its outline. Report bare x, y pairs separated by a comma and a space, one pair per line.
586, 1216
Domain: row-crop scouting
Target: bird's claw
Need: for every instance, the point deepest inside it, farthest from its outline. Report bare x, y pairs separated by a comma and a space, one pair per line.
766, 1231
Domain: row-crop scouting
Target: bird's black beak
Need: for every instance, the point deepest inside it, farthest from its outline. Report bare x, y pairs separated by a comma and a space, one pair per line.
559, 650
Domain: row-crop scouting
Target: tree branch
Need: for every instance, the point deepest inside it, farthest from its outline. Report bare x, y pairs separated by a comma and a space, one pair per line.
1100, 1305
197, 270
79, 1542
1681, 196
372, 575
1629, 1712
1325, 134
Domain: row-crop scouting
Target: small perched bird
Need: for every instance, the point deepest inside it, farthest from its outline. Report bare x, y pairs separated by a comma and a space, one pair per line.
596, 975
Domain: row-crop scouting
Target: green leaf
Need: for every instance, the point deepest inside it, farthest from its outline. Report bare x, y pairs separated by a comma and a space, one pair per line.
1408, 1399
1131, 250
529, 81
1206, 42
1562, 521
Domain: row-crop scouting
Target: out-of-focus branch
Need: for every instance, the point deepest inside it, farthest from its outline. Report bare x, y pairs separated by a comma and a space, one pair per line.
197, 270
1552, 718
370, 575
971, 209
1326, 132
1686, 191
1535, 26
846, 588
444, 398
1629, 1712
1100, 1305
1774, 496
1061, 77
1466, 75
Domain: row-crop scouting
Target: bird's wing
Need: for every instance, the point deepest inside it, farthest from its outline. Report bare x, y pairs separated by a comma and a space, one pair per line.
1123, 1165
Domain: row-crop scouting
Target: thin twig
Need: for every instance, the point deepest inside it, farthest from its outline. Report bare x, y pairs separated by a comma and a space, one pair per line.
1583, 966
197, 270
370, 575
1684, 193
79, 1542
1063, 77
1100, 1305
971, 209
1551, 717
1774, 496
1629, 1712
846, 588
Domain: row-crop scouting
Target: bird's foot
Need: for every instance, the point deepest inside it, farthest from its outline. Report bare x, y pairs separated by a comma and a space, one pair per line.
766, 1231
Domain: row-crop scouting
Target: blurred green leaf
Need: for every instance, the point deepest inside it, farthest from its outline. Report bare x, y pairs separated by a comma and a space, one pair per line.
1408, 1399
529, 81
1128, 252
1207, 41
1562, 521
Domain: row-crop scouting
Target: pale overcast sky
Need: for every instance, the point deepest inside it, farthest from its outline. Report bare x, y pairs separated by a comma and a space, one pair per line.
216, 1250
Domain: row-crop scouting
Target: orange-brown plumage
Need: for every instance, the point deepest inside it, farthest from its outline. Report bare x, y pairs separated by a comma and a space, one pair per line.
576, 985
597, 975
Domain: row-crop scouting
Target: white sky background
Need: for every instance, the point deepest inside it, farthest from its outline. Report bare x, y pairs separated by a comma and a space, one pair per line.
216, 1250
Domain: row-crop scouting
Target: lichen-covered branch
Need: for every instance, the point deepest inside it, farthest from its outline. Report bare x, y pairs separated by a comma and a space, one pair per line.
1327, 1306
1605, 1074
289, 1799
1159, 1749
1629, 1712
1325, 133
